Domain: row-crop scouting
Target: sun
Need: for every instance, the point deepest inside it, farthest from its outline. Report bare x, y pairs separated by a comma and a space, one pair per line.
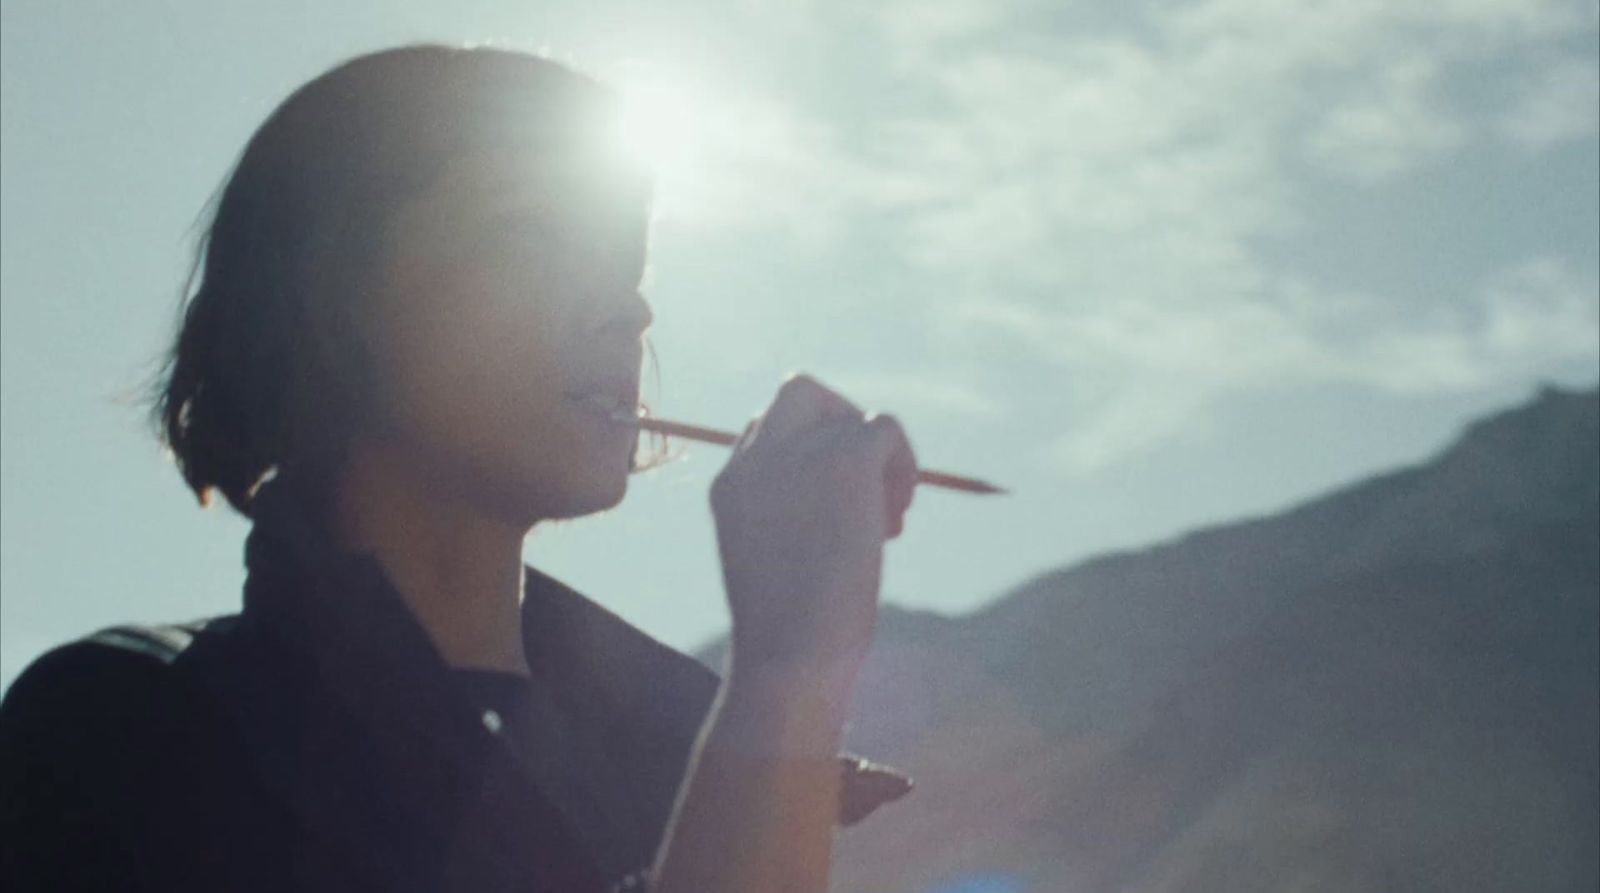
660, 131
658, 120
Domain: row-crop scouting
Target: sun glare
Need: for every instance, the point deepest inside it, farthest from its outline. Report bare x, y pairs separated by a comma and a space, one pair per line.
660, 131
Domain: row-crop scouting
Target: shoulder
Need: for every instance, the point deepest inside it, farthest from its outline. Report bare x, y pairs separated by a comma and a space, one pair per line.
81, 680
108, 701
116, 676
106, 746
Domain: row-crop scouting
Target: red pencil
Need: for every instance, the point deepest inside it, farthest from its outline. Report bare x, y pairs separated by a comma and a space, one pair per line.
728, 438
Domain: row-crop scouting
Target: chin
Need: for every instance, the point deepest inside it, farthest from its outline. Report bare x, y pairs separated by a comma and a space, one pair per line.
600, 499
579, 498
523, 493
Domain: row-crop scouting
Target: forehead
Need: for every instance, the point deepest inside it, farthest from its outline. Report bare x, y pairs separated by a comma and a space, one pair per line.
596, 198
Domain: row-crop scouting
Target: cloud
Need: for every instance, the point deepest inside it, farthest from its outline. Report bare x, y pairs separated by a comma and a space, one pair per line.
940, 390
1098, 192
753, 162
1099, 200
1559, 105
1530, 318
1132, 423
919, 29
1535, 314
1396, 127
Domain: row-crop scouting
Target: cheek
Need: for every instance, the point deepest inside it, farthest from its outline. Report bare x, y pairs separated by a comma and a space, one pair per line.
469, 373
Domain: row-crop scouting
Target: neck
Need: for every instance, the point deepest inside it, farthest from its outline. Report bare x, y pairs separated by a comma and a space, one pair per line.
457, 569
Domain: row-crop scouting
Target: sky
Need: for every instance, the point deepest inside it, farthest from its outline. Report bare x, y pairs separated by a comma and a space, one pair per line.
1151, 265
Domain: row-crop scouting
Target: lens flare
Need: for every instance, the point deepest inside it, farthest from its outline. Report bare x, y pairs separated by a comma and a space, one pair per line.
660, 132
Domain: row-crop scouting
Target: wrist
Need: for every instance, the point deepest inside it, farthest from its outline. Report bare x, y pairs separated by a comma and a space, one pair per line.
810, 659
793, 681
798, 710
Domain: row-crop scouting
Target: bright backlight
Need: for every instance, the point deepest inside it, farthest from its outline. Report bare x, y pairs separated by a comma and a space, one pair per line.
659, 129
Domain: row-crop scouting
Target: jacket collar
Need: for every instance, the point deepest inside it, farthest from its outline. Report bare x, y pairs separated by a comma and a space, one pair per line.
344, 601
357, 719
353, 633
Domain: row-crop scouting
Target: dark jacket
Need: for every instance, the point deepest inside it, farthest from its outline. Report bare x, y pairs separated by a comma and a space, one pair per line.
317, 741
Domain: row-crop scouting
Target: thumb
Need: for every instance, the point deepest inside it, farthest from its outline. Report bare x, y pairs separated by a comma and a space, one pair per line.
899, 464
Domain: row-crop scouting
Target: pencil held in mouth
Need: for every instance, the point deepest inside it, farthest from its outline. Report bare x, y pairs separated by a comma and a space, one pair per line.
728, 438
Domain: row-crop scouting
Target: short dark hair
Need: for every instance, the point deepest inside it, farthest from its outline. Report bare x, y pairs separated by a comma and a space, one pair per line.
268, 364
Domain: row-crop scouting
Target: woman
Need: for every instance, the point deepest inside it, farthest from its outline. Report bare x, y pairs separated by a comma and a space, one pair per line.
417, 311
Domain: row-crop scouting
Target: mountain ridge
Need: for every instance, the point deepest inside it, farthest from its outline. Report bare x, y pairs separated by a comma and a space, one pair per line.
1392, 685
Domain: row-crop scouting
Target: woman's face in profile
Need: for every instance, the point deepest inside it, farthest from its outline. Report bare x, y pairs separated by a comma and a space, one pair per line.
510, 289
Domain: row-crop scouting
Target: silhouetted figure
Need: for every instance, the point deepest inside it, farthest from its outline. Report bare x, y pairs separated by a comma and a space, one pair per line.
417, 307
